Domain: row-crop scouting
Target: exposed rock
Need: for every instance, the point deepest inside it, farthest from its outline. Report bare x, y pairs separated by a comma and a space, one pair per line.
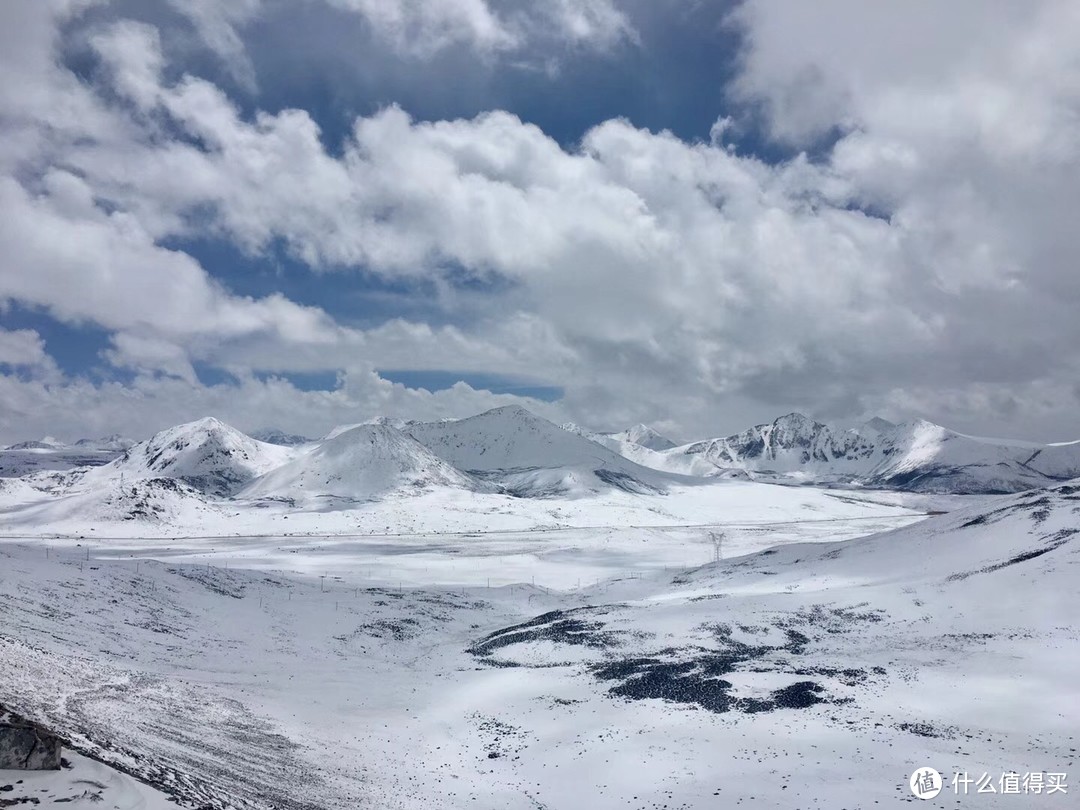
25, 746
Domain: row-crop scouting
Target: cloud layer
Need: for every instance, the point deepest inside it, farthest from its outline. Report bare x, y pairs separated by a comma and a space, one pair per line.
918, 258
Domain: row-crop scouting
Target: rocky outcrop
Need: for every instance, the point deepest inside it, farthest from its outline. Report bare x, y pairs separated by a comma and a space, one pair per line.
25, 746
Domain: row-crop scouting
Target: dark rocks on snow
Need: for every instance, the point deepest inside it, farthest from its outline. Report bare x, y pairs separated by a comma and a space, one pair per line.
25, 746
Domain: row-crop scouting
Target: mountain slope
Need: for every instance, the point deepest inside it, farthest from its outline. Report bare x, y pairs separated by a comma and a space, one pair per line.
279, 437
358, 464
532, 456
918, 456
17, 463
207, 454
115, 443
46, 443
644, 436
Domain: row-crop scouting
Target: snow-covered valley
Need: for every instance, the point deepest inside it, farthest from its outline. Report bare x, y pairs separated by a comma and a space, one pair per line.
499, 613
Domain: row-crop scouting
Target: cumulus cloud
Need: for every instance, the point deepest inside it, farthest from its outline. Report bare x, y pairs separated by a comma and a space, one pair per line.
22, 347
217, 23
80, 408
921, 261
423, 29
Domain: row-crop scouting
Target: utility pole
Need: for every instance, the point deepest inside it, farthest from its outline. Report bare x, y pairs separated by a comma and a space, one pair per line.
717, 542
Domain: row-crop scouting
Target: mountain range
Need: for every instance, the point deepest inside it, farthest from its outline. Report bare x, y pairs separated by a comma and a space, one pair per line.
917, 456
512, 451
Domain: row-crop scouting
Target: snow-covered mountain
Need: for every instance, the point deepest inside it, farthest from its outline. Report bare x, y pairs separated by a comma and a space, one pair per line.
915, 455
531, 456
114, 443
26, 458
359, 464
644, 436
637, 453
279, 437
522, 454
46, 443
207, 454
389, 421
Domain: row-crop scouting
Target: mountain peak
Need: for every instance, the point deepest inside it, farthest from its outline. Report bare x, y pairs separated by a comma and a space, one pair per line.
279, 437
510, 410
44, 443
207, 423
645, 436
795, 419
360, 463
878, 425
206, 453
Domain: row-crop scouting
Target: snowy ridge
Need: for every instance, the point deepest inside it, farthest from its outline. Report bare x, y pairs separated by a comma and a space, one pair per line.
147, 503
633, 451
532, 456
279, 437
115, 443
644, 436
389, 421
358, 464
15, 463
46, 443
917, 455
207, 454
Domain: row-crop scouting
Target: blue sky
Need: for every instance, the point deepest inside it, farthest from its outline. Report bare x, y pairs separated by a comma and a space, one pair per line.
690, 213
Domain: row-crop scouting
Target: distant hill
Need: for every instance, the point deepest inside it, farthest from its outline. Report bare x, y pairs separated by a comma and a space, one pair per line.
279, 437
532, 457
916, 455
361, 463
207, 454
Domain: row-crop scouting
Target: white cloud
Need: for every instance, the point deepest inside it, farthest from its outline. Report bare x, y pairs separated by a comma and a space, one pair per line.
216, 22
926, 261
22, 347
65, 254
423, 27
596, 22
80, 408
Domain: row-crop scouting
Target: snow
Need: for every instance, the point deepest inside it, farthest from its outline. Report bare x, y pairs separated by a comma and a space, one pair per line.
82, 784
114, 442
357, 465
295, 672
532, 456
17, 463
45, 443
275, 436
208, 454
381, 619
917, 455
644, 436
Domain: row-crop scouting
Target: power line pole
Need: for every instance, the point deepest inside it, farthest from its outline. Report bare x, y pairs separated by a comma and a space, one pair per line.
717, 541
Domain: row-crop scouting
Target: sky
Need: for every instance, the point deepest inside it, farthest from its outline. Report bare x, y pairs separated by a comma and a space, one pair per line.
689, 213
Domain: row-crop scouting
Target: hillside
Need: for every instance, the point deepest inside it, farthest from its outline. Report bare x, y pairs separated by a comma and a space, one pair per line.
280, 437
206, 454
17, 463
643, 436
917, 456
358, 464
531, 456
